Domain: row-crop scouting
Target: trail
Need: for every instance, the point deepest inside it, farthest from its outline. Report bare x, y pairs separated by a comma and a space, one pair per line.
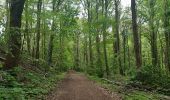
77, 87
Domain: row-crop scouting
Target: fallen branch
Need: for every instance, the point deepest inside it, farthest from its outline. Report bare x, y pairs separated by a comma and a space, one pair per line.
2, 55
113, 82
2, 59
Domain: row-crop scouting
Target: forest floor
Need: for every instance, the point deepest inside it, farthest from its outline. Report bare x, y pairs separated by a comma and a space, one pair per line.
77, 86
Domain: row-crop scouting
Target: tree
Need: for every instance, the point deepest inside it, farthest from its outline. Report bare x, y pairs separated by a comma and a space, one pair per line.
39, 6
116, 37
136, 35
105, 12
55, 7
26, 27
99, 60
153, 33
14, 39
77, 51
89, 10
167, 32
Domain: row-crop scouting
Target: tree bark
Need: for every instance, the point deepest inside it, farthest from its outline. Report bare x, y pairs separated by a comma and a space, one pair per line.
105, 12
124, 48
77, 54
99, 61
90, 36
167, 33
50, 44
14, 40
7, 17
153, 34
136, 35
26, 28
37, 52
117, 38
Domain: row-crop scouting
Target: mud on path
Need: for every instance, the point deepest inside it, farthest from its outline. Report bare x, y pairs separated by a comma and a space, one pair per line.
77, 87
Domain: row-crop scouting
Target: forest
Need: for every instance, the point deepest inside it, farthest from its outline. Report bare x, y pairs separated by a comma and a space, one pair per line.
85, 50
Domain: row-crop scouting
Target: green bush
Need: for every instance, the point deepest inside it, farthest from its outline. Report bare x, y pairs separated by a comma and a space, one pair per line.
12, 94
8, 80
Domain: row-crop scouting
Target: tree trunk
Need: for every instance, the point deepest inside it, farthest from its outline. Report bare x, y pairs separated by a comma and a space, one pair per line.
50, 45
26, 28
124, 48
43, 34
129, 56
153, 34
117, 38
50, 50
14, 41
99, 61
37, 52
167, 33
90, 36
86, 60
136, 35
77, 55
7, 17
105, 12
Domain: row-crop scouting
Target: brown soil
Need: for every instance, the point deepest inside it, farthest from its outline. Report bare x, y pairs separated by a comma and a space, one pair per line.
77, 87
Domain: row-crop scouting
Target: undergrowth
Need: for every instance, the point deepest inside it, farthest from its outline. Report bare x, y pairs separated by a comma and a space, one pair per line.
127, 94
154, 78
25, 84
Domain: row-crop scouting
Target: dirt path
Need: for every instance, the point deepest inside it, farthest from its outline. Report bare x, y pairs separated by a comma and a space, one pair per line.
77, 87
